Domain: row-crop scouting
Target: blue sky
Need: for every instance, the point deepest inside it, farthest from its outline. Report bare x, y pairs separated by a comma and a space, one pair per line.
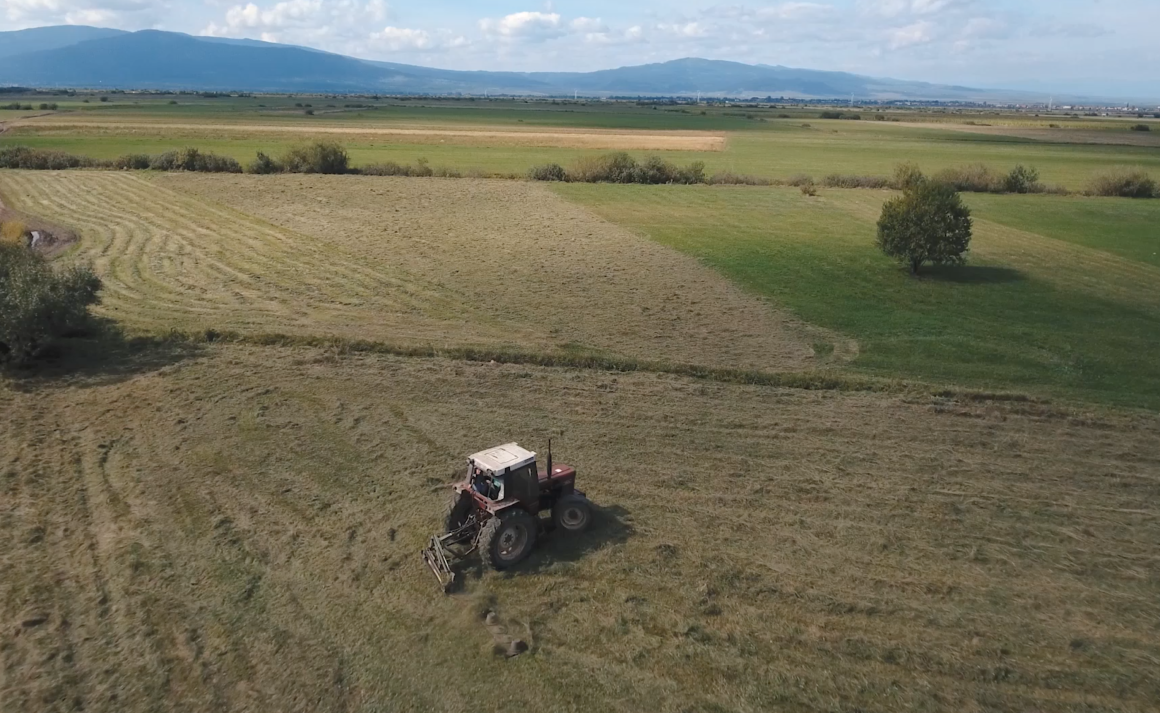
1106, 47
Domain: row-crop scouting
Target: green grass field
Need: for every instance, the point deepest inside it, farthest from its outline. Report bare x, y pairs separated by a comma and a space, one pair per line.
1030, 311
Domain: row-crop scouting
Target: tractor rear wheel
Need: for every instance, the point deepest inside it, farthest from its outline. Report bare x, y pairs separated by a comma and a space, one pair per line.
507, 539
572, 514
456, 512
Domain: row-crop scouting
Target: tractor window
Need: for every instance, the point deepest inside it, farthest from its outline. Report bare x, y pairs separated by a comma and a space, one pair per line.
523, 485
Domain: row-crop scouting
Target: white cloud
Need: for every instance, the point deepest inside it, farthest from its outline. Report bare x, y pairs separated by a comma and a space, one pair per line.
134, 14
588, 25
301, 20
896, 8
531, 26
918, 33
985, 28
684, 29
783, 12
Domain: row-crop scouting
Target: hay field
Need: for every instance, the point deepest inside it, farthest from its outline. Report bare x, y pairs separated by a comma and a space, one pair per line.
238, 530
562, 137
445, 263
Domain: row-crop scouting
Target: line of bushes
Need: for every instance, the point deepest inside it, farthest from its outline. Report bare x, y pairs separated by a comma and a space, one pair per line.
17, 106
619, 167
188, 159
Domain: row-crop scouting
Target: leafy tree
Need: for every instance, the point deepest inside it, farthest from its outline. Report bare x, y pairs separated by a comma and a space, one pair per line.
928, 223
38, 303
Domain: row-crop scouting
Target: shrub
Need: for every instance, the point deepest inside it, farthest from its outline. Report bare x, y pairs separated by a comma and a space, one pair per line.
47, 107
800, 179
1022, 180
928, 223
263, 164
422, 169
38, 304
692, 174
839, 181
1141, 127
975, 178
655, 170
609, 168
104, 99
548, 172
831, 115
619, 167
809, 189
1124, 183
907, 175
389, 168
166, 161
728, 178
132, 162
318, 157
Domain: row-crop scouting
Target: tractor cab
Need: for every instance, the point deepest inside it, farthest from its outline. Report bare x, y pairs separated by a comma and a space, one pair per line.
505, 472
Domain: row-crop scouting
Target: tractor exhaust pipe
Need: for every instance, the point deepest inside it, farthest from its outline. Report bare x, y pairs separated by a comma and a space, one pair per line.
549, 457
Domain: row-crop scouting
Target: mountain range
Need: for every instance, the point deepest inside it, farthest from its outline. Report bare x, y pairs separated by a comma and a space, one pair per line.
97, 58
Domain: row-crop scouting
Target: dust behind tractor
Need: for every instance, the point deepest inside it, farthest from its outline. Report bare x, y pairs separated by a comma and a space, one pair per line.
497, 510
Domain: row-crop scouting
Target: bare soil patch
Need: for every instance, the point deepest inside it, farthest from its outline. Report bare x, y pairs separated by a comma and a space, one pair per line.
240, 531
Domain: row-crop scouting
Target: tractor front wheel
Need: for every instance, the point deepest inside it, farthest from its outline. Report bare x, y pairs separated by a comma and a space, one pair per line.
507, 539
456, 512
572, 514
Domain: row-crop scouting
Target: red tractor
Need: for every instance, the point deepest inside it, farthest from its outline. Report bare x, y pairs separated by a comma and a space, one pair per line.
496, 510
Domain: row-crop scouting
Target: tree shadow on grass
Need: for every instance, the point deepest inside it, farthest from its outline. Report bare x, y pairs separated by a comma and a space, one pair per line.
99, 355
972, 274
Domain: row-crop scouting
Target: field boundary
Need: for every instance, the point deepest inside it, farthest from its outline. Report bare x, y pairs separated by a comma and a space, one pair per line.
806, 380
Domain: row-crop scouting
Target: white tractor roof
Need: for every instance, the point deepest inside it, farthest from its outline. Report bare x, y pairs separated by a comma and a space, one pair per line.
502, 458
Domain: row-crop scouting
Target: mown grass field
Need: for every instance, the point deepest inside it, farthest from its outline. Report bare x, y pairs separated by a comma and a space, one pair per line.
233, 527
502, 265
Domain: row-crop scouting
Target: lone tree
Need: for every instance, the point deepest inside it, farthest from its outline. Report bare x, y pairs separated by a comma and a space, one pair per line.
928, 223
38, 303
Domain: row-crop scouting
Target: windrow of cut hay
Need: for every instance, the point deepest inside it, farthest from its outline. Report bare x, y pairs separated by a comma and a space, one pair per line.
483, 264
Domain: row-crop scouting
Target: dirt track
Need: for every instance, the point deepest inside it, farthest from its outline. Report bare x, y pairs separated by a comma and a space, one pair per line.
238, 529
556, 138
